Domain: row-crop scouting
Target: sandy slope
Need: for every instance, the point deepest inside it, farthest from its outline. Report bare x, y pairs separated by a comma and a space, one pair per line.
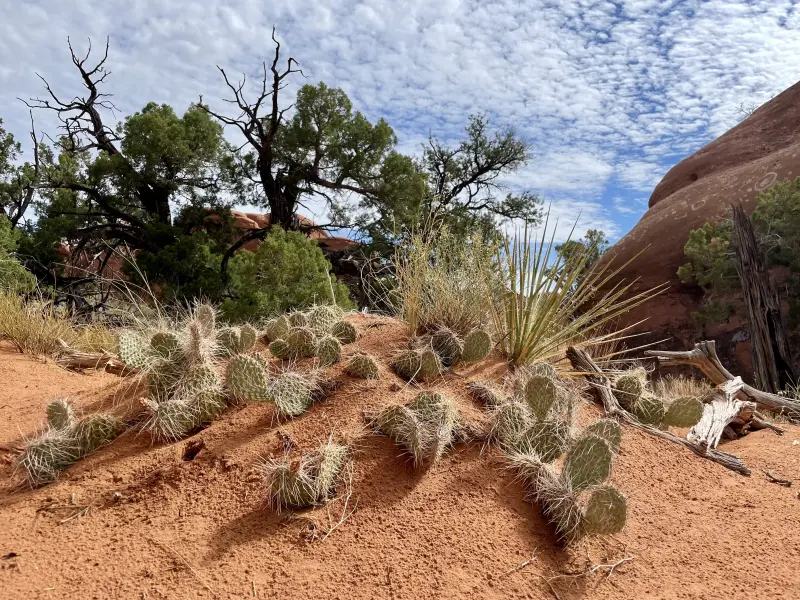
162, 527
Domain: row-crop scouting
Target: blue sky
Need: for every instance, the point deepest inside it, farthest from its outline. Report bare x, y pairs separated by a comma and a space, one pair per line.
610, 94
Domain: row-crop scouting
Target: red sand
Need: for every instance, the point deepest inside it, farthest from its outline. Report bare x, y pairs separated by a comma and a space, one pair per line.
161, 527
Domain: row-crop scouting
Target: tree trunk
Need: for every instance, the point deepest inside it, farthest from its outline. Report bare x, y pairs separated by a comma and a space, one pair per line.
772, 363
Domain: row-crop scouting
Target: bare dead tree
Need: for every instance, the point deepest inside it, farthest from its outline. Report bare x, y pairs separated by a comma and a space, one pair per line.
769, 346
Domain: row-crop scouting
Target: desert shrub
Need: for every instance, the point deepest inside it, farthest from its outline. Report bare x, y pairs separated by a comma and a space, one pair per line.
35, 327
545, 305
286, 271
442, 281
14, 278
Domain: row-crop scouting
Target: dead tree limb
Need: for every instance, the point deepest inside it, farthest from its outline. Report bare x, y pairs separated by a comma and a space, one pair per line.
75, 360
719, 411
583, 363
704, 357
772, 357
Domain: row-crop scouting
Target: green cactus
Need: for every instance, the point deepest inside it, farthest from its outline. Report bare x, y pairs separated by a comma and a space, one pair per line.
543, 369
323, 318
45, 456
228, 339
446, 343
96, 430
629, 387
60, 415
477, 345
280, 349
559, 503
302, 342
608, 430
588, 462
247, 379
329, 351
684, 412
298, 319
606, 511
649, 409
330, 459
277, 328
162, 380
345, 332
209, 404
173, 419
406, 363
362, 366
200, 377
540, 393
166, 344
430, 365
510, 422
292, 394
207, 318
406, 429
484, 393
133, 349
440, 415
290, 484
248, 335
547, 439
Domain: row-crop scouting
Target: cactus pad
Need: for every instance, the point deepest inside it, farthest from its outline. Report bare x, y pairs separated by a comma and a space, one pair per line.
608, 430
403, 425
446, 343
588, 462
547, 439
247, 379
510, 422
298, 319
173, 419
247, 338
649, 409
630, 386
329, 351
228, 340
484, 393
684, 412
165, 344
277, 329
207, 318
330, 459
362, 366
97, 430
606, 511
301, 341
345, 332
44, 457
323, 318
133, 349
540, 393
292, 394
290, 484
477, 345
60, 415
280, 349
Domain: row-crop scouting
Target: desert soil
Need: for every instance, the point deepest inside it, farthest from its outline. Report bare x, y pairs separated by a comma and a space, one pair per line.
137, 520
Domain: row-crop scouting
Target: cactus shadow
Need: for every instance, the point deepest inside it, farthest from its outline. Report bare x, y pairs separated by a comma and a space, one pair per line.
257, 525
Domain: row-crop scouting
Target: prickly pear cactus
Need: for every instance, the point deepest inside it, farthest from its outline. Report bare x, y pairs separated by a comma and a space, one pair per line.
446, 343
277, 328
207, 318
166, 345
173, 419
45, 456
247, 379
96, 430
291, 484
684, 412
510, 423
406, 363
292, 394
547, 439
477, 345
540, 393
229, 340
322, 318
588, 462
60, 415
200, 377
330, 459
162, 380
247, 338
608, 430
485, 393
430, 365
302, 342
543, 369
329, 351
362, 366
133, 349
298, 319
649, 409
606, 511
345, 332
209, 403
280, 349
629, 387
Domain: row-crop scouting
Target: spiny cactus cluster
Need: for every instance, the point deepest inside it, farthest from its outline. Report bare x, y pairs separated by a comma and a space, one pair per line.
363, 366
577, 499
320, 331
306, 481
425, 427
64, 441
237, 340
430, 355
633, 393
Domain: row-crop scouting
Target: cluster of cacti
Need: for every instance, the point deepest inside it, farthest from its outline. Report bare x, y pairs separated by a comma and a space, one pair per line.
305, 481
633, 393
65, 440
320, 331
362, 366
237, 340
576, 499
425, 427
430, 355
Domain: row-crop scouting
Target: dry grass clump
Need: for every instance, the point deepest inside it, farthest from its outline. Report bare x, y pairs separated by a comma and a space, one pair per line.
673, 387
35, 327
305, 481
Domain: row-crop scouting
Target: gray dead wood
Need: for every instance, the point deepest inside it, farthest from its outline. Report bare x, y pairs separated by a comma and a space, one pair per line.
721, 409
704, 357
583, 363
75, 360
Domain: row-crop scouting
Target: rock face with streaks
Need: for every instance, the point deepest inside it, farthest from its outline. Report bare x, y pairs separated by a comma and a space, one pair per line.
763, 149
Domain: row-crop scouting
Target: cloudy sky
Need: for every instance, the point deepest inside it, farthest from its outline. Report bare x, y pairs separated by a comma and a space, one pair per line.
610, 94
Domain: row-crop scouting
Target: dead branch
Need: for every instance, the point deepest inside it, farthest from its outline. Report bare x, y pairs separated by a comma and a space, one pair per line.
720, 410
704, 357
75, 360
778, 480
583, 363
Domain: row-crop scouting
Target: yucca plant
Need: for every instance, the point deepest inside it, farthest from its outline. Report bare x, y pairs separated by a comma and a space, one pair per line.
546, 300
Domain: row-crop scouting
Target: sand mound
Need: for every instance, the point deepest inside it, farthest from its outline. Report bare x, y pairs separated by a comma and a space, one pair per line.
137, 520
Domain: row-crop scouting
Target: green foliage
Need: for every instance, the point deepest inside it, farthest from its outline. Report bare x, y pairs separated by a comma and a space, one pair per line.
590, 248
14, 278
286, 271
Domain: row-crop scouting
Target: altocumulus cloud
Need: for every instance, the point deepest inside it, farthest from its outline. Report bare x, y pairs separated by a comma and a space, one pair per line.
610, 94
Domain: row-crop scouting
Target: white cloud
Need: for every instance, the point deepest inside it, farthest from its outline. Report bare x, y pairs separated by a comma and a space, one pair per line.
610, 94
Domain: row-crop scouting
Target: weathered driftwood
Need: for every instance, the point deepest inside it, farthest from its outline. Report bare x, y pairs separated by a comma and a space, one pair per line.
720, 410
583, 363
76, 360
704, 357
772, 358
